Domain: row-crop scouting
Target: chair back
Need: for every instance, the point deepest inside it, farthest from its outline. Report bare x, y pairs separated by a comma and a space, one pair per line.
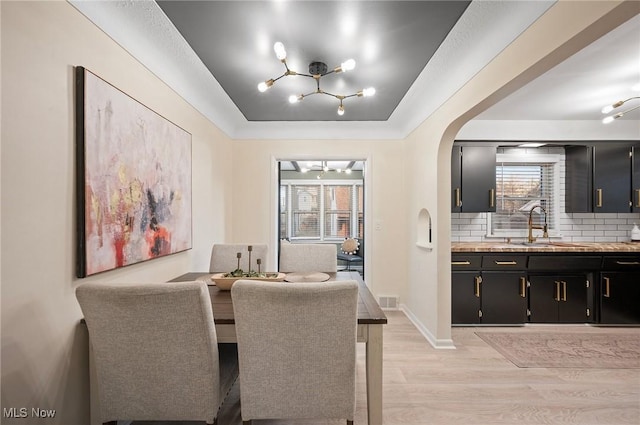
224, 257
300, 257
155, 350
296, 349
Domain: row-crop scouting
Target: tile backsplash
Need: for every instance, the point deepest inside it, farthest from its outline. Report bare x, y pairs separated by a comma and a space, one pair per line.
574, 227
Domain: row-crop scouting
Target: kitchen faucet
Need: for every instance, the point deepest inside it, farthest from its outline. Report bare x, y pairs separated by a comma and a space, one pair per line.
544, 228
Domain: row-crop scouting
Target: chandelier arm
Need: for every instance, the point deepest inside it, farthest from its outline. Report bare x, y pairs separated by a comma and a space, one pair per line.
631, 98
304, 75
276, 79
629, 110
351, 95
341, 96
337, 96
328, 72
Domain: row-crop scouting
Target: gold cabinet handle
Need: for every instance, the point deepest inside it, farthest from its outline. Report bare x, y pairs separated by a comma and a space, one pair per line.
557, 297
478, 281
599, 198
628, 263
607, 288
460, 263
505, 263
458, 200
523, 287
492, 198
637, 198
564, 290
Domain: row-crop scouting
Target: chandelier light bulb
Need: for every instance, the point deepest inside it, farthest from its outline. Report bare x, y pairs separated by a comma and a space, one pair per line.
348, 65
608, 119
281, 53
304, 170
264, 86
348, 171
368, 92
295, 98
341, 110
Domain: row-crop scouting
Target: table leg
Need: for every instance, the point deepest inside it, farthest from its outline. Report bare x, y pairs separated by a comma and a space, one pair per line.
374, 374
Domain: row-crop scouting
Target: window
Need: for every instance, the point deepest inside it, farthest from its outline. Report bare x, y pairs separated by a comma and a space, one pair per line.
521, 184
321, 210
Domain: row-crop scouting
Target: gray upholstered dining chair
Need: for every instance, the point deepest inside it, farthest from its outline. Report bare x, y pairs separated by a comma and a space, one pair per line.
297, 349
155, 351
224, 257
312, 257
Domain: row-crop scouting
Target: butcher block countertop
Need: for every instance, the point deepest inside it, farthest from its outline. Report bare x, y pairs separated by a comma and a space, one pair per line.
544, 246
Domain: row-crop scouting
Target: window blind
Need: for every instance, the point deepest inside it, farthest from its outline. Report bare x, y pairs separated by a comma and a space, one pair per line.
305, 211
520, 187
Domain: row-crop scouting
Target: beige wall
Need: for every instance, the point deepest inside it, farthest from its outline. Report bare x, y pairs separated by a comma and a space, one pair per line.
385, 199
44, 349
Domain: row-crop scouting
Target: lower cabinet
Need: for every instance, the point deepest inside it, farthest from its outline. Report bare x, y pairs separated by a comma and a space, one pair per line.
503, 298
488, 298
620, 297
515, 288
465, 298
560, 299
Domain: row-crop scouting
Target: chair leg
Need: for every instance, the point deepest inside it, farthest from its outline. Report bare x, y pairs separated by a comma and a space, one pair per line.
246, 422
349, 422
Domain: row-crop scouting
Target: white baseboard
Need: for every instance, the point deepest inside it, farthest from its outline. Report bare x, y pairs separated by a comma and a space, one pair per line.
443, 344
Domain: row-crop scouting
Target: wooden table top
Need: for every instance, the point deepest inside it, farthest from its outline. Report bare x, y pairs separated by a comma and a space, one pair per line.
369, 311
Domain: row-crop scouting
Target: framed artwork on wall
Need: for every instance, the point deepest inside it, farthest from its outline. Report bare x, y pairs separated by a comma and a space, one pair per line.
133, 179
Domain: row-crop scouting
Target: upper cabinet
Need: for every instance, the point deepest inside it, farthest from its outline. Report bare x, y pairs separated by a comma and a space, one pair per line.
611, 179
599, 178
578, 179
473, 178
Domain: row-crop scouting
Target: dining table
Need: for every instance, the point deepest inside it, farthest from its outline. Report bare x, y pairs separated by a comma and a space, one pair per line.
371, 320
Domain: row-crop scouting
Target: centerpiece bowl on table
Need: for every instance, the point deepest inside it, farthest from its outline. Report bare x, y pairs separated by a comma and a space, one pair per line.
225, 281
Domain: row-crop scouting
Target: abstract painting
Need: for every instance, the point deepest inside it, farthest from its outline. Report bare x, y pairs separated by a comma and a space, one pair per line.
133, 179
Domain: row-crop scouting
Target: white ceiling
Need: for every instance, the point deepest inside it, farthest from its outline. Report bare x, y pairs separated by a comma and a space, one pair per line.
577, 89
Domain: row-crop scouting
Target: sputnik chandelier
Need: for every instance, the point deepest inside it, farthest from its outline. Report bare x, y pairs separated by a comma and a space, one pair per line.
317, 70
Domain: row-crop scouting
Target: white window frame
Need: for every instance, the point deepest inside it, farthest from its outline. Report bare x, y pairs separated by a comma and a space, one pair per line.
554, 226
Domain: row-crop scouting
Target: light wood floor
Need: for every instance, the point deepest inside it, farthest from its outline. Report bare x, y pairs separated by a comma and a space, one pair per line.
475, 385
